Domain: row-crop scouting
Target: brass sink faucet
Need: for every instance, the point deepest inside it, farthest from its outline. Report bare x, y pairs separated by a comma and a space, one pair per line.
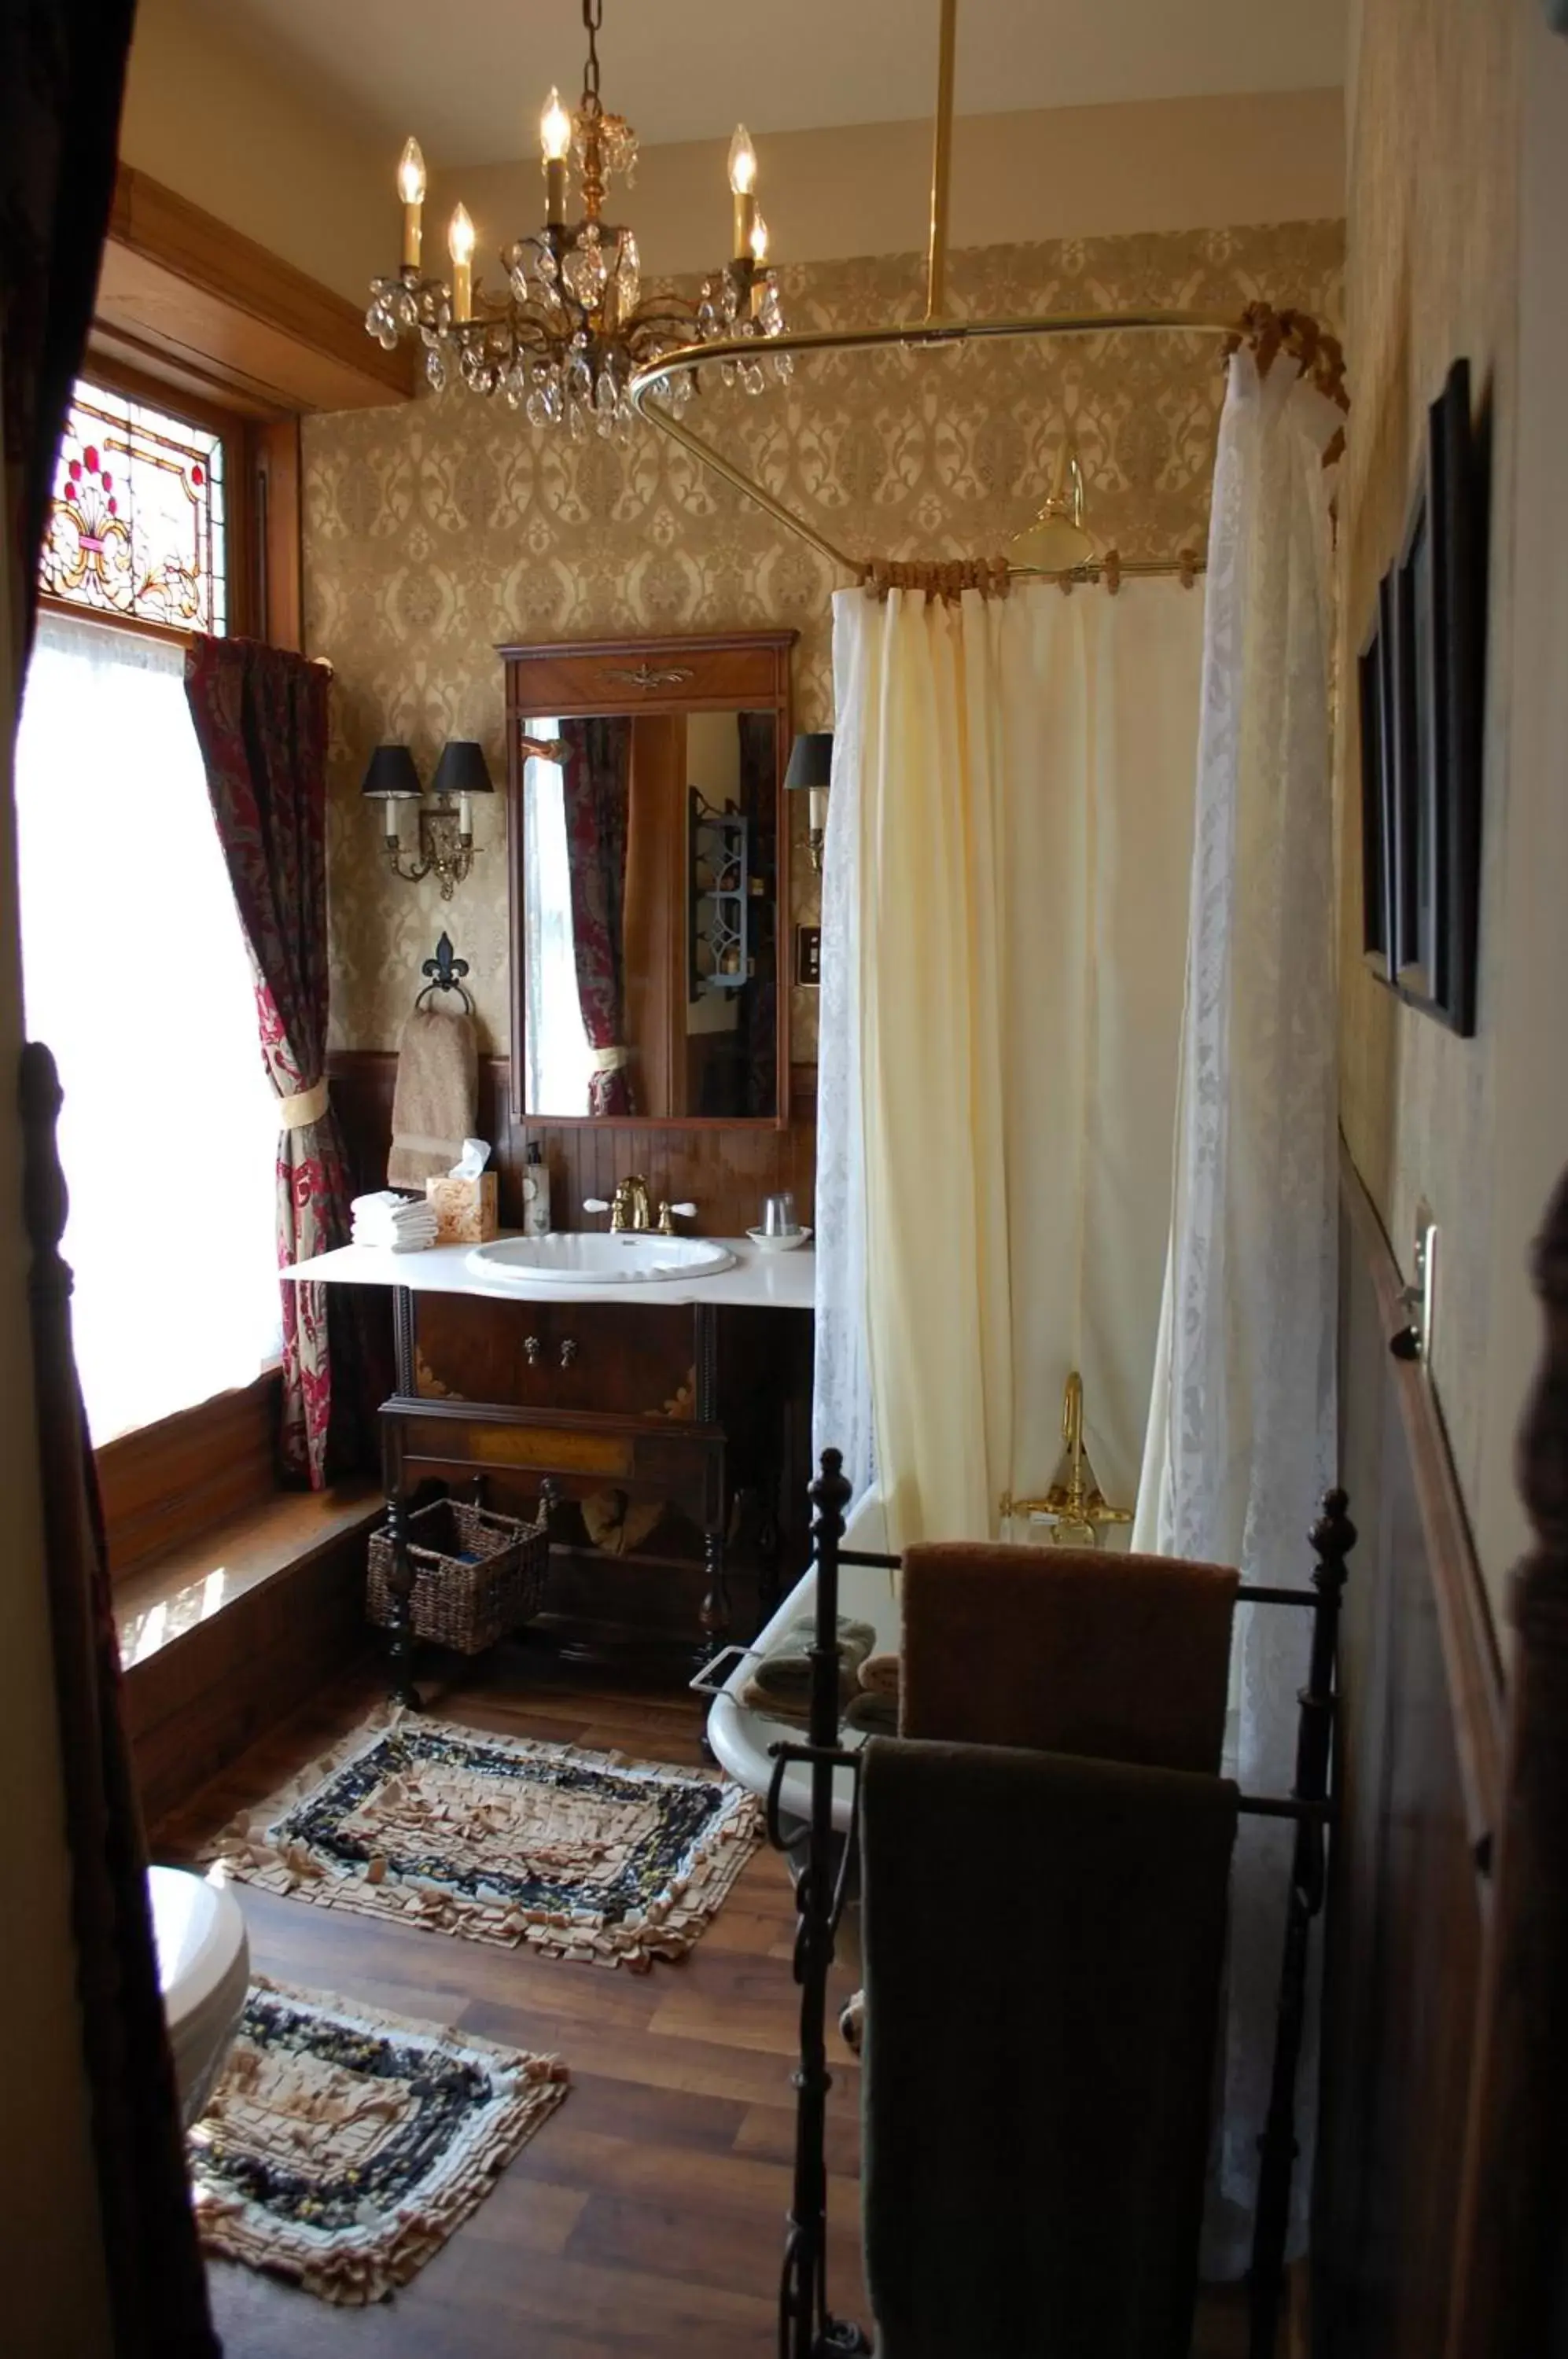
631, 1208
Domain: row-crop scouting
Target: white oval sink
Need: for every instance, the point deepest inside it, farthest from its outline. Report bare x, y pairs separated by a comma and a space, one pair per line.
573, 1257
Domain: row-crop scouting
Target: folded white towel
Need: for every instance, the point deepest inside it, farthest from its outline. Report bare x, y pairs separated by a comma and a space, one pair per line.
407, 1224
387, 1203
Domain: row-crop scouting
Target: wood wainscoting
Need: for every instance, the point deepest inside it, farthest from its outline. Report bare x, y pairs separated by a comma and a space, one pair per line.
725, 1171
1442, 2194
1420, 1736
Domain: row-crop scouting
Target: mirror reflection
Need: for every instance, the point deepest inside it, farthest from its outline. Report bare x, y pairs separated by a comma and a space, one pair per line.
651, 872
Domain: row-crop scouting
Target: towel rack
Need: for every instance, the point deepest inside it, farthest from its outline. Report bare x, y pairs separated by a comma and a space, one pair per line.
446, 973
807, 2329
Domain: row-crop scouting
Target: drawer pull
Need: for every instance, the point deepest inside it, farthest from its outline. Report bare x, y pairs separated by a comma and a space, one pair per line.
533, 1349
568, 1351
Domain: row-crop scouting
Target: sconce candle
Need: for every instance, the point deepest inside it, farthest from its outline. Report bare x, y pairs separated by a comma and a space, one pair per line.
462, 771
810, 770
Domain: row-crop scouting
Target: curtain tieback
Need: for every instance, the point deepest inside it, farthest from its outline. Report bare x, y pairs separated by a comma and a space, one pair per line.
609, 1060
305, 1106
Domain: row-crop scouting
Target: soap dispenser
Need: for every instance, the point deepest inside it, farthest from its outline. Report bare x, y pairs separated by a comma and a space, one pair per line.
536, 1192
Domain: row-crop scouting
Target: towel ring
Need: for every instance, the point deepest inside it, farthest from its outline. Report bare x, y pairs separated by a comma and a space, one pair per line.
446, 973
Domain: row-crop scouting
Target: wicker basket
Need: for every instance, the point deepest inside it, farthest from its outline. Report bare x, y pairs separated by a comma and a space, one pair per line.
476, 1574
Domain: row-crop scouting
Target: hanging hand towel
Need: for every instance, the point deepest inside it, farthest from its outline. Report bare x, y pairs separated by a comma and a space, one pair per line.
1042, 1947
1067, 1650
436, 1099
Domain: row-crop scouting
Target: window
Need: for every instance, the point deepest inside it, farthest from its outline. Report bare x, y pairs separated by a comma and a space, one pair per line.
137, 975
136, 526
560, 1062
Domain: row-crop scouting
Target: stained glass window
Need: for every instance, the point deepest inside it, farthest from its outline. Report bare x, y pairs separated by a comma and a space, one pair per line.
135, 525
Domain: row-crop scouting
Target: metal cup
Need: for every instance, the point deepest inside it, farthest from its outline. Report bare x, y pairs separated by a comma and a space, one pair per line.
778, 1216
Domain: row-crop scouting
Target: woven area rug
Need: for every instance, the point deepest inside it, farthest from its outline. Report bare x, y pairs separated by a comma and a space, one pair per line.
503, 1839
341, 2147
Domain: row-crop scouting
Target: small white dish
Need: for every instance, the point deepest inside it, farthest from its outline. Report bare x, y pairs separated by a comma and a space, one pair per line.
783, 1241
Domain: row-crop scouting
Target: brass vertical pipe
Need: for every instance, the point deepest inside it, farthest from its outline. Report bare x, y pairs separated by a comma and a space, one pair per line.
941, 163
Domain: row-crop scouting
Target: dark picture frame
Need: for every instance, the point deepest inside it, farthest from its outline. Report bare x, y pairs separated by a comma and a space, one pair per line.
1375, 717
1432, 615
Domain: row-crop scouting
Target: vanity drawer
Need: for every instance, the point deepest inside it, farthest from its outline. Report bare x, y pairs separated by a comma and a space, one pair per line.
626, 680
681, 1464
637, 1361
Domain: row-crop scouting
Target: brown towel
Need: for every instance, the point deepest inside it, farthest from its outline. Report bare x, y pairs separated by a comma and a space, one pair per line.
435, 1104
1066, 1650
1042, 1944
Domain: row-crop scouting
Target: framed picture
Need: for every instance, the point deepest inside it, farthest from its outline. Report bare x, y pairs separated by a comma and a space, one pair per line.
1376, 800
1417, 820
1434, 614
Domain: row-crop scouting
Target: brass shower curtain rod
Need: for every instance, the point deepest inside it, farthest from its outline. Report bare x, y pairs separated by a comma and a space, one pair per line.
1258, 325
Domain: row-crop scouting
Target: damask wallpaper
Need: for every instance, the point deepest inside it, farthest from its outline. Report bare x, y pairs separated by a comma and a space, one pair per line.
435, 531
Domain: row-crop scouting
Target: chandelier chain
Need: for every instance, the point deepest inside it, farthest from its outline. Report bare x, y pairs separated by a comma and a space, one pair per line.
592, 18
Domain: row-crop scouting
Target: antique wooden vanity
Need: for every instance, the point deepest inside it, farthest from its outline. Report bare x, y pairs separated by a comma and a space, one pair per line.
648, 890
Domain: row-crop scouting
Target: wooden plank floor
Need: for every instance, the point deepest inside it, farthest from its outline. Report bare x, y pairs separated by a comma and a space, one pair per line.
647, 2216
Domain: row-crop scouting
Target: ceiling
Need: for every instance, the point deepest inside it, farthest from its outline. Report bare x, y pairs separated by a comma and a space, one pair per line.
471, 76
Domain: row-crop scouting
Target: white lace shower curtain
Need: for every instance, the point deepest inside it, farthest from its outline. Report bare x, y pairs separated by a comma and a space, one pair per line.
1241, 1434
1004, 924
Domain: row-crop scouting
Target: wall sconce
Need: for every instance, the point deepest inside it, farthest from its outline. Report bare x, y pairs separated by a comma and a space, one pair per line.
810, 770
446, 836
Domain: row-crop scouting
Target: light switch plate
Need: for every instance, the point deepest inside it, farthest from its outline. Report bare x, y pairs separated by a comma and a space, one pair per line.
1424, 1292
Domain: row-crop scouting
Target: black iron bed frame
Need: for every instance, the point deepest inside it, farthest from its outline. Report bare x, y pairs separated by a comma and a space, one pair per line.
807, 2329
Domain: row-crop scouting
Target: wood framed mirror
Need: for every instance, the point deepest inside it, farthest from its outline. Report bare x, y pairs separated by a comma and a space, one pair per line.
647, 861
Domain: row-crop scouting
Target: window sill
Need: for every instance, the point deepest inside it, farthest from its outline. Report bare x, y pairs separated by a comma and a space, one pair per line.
186, 1588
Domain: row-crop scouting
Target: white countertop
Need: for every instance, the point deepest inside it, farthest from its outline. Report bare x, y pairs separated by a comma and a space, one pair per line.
776, 1281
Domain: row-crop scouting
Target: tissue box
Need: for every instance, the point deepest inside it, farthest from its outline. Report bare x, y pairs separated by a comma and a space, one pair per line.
465, 1209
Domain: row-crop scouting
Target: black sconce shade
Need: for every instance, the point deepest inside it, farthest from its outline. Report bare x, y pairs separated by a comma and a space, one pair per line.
461, 769
391, 776
810, 759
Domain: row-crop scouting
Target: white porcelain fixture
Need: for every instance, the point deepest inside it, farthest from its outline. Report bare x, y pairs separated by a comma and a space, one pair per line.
585, 1257
203, 1972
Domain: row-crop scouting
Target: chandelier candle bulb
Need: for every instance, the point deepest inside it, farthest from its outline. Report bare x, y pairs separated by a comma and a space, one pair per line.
759, 263
742, 186
460, 245
555, 138
562, 339
411, 188
464, 818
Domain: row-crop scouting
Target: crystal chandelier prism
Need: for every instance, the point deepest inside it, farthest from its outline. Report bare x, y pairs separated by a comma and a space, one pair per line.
564, 341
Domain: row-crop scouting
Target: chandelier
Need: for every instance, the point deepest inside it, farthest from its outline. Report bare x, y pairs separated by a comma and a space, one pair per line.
564, 341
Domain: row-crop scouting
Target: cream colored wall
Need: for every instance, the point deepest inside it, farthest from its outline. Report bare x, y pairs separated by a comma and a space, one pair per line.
1060, 172
1530, 1096
434, 532
1442, 98
219, 119
235, 132
52, 2262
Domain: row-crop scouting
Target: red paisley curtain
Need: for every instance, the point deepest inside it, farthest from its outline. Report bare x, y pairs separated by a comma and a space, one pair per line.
596, 775
63, 66
260, 715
